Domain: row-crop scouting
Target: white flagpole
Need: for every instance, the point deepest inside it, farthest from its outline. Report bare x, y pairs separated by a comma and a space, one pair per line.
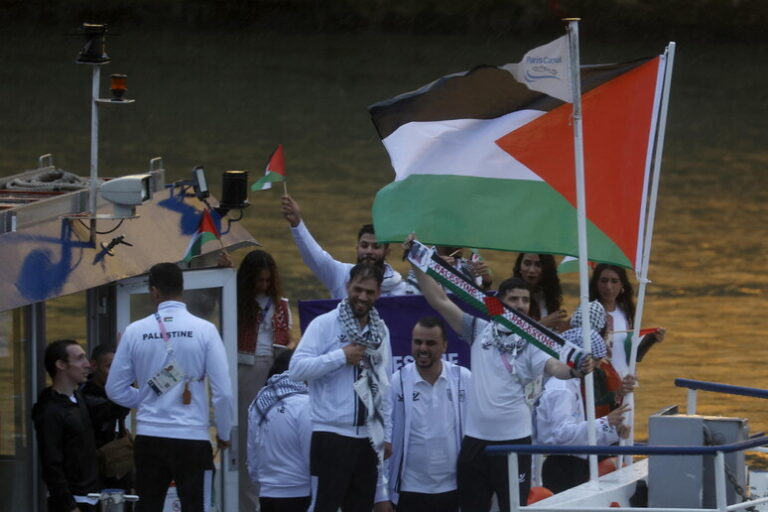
573, 43
643, 279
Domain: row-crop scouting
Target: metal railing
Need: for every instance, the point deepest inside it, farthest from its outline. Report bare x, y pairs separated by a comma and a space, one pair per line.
694, 385
718, 452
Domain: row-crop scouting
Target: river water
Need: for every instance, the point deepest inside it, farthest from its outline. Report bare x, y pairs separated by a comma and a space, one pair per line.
225, 100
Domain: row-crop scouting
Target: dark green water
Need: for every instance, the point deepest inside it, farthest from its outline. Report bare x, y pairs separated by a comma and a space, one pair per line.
225, 100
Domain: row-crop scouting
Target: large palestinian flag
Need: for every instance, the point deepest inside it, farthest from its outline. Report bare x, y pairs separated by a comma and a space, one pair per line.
482, 161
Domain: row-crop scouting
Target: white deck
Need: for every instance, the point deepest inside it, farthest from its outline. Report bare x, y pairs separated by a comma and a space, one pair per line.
617, 486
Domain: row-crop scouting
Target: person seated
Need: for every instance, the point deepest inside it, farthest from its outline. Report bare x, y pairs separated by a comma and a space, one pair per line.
540, 272
561, 419
611, 287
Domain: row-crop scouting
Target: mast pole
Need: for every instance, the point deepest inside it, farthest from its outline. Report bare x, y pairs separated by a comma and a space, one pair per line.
643, 279
94, 147
578, 146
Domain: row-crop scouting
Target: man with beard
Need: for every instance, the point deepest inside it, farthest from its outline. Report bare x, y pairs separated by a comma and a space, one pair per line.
345, 356
502, 365
428, 411
332, 273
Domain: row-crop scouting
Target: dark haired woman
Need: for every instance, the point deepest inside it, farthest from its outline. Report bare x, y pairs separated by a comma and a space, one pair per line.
611, 287
263, 323
540, 272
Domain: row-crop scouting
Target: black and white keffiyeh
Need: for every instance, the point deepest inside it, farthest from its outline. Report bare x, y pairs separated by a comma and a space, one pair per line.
278, 387
505, 341
597, 316
368, 386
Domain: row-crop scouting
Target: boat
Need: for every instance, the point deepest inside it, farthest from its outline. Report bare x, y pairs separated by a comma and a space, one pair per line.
80, 247
55, 245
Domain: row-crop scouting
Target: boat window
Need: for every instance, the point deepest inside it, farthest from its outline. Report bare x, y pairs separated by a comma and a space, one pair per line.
202, 302
15, 410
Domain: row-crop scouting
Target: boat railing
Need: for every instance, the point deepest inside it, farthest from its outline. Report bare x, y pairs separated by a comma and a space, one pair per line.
719, 451
714, 387
696, 385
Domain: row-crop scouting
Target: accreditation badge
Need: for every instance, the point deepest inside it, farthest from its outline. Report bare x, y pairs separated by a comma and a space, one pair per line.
168, 377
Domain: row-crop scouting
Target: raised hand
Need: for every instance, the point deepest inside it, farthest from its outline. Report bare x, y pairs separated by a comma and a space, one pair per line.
291, 210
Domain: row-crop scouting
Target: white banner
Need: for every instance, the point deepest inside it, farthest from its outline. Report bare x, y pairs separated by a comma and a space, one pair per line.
546, 69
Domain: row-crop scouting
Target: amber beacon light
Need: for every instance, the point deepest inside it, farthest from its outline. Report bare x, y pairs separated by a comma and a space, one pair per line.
118, 85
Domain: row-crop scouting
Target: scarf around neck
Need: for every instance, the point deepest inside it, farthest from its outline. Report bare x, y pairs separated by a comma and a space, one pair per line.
368, 386
278, 387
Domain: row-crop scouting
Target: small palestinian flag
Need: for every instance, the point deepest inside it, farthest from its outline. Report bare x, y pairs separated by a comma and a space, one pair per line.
274, 172
206, 232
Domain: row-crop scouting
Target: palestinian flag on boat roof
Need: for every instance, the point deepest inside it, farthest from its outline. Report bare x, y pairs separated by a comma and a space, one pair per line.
482, 161
206, 232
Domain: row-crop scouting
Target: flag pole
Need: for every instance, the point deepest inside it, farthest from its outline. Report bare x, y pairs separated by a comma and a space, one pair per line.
285, 187
643, 279
578, 148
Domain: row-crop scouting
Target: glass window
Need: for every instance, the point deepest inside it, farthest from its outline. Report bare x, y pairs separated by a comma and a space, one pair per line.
202, 302
15, 410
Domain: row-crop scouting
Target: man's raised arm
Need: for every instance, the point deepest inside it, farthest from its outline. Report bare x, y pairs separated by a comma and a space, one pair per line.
438, 299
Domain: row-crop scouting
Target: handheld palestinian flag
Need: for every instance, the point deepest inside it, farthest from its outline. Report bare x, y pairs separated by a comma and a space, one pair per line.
274, 172
427, 261
206, 232
483, 161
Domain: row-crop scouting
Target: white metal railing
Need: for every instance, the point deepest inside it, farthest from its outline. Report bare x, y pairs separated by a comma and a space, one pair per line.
718, 452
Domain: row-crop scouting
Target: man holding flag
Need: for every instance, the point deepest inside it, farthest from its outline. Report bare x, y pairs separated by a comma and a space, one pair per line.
502, 364
335, 274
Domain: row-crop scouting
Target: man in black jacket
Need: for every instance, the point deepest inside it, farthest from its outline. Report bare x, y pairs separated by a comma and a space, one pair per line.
64, 432
107, 417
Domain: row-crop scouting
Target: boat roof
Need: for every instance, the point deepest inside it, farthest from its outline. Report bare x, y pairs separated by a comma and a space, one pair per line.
47, 249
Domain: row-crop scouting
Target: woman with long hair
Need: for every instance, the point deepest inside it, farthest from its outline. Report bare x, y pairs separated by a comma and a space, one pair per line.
263, 324
611, 287
540, 272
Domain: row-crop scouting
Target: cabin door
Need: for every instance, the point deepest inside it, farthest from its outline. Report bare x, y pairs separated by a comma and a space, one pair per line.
211, 294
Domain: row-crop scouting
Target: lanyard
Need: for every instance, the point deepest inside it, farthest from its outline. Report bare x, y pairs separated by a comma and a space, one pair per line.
165, 336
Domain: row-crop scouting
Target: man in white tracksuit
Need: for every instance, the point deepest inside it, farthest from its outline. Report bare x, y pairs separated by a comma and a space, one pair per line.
279, 436
345, 358
428, 411
169, 354
335, 274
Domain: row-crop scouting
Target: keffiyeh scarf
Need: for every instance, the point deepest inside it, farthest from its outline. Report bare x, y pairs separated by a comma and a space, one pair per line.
505, 342
368, 386
277, 388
